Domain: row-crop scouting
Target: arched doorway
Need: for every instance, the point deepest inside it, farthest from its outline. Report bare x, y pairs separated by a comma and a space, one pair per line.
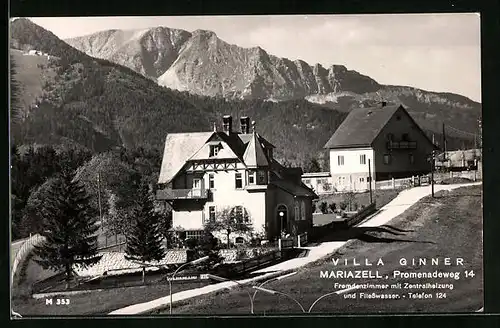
282, 218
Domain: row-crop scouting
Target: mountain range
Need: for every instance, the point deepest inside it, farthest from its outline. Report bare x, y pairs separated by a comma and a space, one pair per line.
203, 64
131, 88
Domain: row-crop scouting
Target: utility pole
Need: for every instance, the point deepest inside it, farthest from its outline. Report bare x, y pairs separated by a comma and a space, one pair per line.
444, 143
370, 179
432, 166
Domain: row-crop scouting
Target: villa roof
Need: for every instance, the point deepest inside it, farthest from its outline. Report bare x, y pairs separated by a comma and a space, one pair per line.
183, 147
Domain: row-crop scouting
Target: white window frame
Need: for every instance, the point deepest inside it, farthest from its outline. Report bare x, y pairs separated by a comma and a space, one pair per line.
252, 175
211, 181
340, 160
362, 159
197, 183
236, 175
210, 212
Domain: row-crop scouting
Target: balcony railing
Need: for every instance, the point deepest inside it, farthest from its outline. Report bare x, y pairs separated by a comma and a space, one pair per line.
172, 194
401, 144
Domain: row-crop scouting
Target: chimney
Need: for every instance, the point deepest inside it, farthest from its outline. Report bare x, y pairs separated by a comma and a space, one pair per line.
227, 122
245, 124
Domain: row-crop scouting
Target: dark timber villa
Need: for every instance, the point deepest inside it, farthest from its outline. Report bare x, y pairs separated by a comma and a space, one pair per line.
387, 137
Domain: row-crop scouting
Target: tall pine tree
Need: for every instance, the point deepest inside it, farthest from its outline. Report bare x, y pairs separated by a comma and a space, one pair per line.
144, 239
69, 226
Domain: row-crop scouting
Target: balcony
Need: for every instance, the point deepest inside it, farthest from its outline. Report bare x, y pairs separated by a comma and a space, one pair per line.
174, 194
401, 145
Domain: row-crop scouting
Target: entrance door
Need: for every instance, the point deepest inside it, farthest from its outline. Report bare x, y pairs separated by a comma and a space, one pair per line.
282, 216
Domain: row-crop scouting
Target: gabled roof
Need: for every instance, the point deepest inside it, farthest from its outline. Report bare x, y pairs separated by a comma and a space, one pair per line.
254, 155
361, 126
178, 148
225, 152
183, 147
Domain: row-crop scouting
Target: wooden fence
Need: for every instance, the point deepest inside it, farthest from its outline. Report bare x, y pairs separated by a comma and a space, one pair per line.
360, 215
425, 179
23, 252
233, 269
284, 243
301, 239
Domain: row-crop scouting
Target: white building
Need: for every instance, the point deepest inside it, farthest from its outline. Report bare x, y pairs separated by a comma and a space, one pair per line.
384, 137
203, 173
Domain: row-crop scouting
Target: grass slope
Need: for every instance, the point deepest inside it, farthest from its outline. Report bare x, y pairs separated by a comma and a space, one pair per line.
447, 226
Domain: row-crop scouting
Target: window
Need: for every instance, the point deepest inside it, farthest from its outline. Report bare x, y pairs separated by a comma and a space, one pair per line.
361, 179
251, 177
341, 180
405, 137
340, 160
387, 159
211, 182
297, 211
261, 177
214, 150
307, 181
196, 183
238, 181
411, 158
211, 213
240, 214
303, 210
195, 234
362, 159
270, 153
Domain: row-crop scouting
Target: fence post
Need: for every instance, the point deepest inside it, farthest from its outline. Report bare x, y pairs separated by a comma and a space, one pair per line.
393, 184
279, 244
298, 241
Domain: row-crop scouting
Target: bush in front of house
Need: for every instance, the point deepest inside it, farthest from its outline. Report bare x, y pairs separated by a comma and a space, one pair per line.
333, 207
343, 205
323, 207
241, 254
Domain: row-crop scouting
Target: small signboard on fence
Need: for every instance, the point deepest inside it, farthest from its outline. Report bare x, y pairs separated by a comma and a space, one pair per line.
194, 277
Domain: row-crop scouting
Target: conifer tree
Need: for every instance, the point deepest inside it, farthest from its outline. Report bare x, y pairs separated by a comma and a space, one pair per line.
69, 226
144, 238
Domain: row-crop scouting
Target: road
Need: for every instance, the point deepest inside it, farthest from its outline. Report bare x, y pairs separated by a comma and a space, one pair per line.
14, 248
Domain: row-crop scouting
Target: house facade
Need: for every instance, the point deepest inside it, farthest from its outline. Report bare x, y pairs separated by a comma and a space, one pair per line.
204, 173
383, 142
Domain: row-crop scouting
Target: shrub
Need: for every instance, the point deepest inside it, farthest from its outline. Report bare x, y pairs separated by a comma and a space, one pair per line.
241, 254
355, 205
191, 243
343, 205
323, 207
332, 207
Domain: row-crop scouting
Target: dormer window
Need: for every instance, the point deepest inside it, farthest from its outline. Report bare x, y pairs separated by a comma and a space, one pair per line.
251, 177
214, 150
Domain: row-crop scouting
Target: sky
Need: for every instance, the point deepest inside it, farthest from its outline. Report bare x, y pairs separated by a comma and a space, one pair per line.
434, 52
